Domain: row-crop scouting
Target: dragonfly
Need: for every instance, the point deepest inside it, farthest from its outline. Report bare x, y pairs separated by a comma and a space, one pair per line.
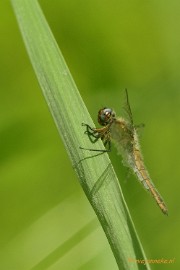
124, 134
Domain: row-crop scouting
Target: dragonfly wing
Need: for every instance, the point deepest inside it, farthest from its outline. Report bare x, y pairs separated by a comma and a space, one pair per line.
127, 110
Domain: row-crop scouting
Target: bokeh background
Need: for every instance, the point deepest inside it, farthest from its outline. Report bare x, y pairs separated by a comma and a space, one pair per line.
46, 221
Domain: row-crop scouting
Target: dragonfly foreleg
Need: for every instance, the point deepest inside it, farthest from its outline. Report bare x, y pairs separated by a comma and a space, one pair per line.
89, 129
92, 133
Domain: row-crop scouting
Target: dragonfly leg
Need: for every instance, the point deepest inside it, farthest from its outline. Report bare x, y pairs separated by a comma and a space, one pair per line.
107, 144
94, 135
96, 150
88, 128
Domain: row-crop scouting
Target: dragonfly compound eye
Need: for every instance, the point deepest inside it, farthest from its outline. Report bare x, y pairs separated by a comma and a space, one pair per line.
105, 116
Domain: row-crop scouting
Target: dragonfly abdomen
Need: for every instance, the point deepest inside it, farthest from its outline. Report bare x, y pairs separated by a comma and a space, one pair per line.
139, 168
144, 178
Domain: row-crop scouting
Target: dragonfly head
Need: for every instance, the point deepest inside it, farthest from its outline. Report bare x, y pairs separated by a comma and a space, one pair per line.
105, 116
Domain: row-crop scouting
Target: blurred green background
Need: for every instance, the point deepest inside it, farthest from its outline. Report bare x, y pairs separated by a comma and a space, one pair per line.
46, 220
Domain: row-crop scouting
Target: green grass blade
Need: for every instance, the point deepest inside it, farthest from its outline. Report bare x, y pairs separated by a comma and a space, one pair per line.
96, 174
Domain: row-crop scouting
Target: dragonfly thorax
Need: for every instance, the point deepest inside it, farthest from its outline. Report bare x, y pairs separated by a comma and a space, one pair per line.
106, 116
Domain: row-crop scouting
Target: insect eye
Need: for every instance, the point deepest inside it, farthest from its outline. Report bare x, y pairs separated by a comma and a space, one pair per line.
107, 113
105, 116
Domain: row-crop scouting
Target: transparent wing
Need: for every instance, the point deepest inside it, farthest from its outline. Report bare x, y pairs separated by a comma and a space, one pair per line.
127, 110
